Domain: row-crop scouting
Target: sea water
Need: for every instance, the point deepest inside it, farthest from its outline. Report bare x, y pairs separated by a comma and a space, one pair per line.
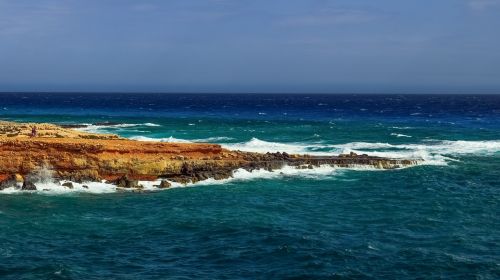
439, 219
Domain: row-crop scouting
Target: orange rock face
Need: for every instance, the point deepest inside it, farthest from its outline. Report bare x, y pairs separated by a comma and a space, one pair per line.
104, 159
78, 155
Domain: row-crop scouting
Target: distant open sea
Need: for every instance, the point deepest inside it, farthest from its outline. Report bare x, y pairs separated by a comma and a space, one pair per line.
440, 219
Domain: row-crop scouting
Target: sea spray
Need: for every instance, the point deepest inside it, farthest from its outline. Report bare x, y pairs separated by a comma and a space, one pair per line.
42, 175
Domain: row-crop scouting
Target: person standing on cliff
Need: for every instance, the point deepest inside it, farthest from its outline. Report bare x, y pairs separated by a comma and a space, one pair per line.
33, 131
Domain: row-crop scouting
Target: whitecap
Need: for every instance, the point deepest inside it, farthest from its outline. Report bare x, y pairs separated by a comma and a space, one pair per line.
151, 124
261, 146
166, 139
172, 139
100, 128
400, 135
432, 152
402, 127
213, 139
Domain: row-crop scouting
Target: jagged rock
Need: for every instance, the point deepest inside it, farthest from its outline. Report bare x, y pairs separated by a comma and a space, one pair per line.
125, 182
68, 185
164, 184
186, 169
73, 125
28, 186
85, 186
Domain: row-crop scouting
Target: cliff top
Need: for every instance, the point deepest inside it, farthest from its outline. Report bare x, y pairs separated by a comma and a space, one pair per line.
46, 130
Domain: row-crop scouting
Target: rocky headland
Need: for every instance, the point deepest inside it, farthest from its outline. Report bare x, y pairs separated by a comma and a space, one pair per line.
67, 154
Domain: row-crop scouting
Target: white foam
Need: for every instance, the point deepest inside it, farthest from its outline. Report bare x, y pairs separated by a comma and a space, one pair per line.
166, 139
213, 139
172, 139
261, 146
434, 152
99, 128
400, 135
151, 124
56, 188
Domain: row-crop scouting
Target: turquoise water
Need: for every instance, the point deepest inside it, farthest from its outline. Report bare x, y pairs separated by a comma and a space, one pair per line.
436, 220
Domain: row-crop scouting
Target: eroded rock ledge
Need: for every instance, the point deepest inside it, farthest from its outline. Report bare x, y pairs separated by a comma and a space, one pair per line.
78, 156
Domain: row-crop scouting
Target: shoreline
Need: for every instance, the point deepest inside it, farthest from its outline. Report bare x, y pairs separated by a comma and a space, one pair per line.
65, 154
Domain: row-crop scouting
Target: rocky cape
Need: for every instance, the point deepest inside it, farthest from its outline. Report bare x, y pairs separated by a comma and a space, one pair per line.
63, 153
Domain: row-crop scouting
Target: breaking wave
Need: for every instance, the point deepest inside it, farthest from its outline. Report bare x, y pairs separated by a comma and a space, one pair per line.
172, 139
165, 140
400, 135
55, 188
96, 128
433, 152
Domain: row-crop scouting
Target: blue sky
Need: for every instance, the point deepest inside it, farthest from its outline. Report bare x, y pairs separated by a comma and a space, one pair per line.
250, 45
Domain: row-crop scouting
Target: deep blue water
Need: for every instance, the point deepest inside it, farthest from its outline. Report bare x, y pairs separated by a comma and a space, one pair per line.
436, 220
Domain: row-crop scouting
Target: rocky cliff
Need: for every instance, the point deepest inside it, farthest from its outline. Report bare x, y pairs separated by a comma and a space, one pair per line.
78, 156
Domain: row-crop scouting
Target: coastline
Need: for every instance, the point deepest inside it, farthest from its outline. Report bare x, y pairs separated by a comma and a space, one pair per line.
68, 155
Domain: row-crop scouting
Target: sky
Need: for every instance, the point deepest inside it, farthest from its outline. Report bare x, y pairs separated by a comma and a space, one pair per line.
325, 46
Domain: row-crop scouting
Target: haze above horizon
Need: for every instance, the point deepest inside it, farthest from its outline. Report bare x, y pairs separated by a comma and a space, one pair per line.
294, 46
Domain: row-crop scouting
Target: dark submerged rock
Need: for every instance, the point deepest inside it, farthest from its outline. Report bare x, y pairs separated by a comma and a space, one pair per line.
125, 182
28, 186
164, 185
68, 185
73, 125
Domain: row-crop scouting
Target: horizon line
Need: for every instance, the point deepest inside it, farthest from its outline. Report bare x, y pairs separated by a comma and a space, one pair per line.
257, 93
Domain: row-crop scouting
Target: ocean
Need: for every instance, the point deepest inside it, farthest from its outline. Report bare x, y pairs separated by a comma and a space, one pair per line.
439, 219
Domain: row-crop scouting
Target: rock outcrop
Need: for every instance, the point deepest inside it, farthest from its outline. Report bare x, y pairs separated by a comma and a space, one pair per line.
80, 157
28, 186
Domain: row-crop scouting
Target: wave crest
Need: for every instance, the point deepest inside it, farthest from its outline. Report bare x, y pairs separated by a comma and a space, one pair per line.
96, 128
432, 152
435, 152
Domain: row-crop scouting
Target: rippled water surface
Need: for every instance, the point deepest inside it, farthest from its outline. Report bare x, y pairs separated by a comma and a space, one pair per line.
436, 220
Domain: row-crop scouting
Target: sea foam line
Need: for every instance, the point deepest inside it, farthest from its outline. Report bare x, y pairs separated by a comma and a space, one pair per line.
99, 128
435, 152
432, 152
56, 188
172, 139
400, 135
